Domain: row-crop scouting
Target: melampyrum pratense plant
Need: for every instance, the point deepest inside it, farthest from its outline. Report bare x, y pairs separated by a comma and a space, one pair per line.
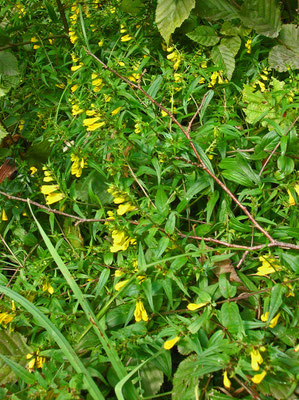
149, 240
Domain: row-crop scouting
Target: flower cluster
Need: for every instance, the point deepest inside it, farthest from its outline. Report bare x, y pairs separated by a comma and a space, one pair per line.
78, 163
174, 56
35, 360
51, 191
273, 322
269, 265
93, 123
214, 77
35, 40
140, 313
126, 37
256, 360
97, 82
120, 241
47, 287
6, 318
134, 77
248, 45
121, 198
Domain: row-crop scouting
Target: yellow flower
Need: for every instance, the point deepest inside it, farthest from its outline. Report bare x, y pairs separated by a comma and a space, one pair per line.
123, 208
95, 126
90, 113
259, 377
120, 285
116, 111
4, 216
34, 40
140, 312
76, 67
36, 46
261, 85
118, 273
33, 170
13, 306
47, 189
107, 98
256, 359
248, 45
74, 88
121, 63
204, 64
126, 38
90, 121
6, 318
97, 82
194, 306
291, 198
226, 381
76, 110
35, 359
269, 265
77, 166
164, 113
273, 322
170, 343
54, 198
101, 42
47, 288
137, 128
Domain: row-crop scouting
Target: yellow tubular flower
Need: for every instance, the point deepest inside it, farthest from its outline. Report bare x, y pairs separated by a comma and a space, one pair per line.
291, 198
32, 170
140, 313
90, 121
195, 306
118, 273
269, 265
6, 318
93, 127
76, 67
126, 38
47, 189
274, 321
226, 381
256, 359
116, 111
54, 198
170, 343
264, 317
120, 285
74, 88
4, 216
259, 377
248, 45
123, 208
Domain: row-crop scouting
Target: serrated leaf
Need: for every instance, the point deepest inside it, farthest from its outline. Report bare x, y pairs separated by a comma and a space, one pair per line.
204, 35
13, 346
281, 58
289, 35
184, 380
8, 64
224, 58
263, 16
232, 43
151, 379
216, 9
170, 14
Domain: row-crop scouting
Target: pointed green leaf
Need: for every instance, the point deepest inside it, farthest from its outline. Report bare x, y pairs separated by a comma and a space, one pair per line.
263, 16
232, 43
170, 14
224, 58
204, 35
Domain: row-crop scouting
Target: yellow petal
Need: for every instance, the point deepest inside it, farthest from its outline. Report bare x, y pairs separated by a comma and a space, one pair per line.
120, 285
32, 170
90, 121
170, 343
116, 111
54, 198
31, 363
123, 208
259, 377
195, 306
291, 198
274, 321
264, 317
74, 88
4, 216
226, 381
47, 189
95, 126
50, 289
256, 359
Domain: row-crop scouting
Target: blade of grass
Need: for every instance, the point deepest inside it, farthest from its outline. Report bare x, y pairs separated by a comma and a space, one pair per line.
59, 339
118, 366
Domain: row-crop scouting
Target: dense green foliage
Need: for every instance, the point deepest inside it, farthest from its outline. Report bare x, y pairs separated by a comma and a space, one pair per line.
149, 240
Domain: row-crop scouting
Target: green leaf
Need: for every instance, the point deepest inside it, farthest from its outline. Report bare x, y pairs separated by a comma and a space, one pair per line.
224, 58
155, 86
184, 380
200, 320
227, 290
216, 9
211, 204
132, 6
20, 371
285, 164
238, 170
263, 16
204, 35
59, 339
170, 224
170, 14
289, 35
3, 132
275, 301
161, 200
208, 98
231, 319
281, 58
232, 43
13, 347
8, 64
151, 379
